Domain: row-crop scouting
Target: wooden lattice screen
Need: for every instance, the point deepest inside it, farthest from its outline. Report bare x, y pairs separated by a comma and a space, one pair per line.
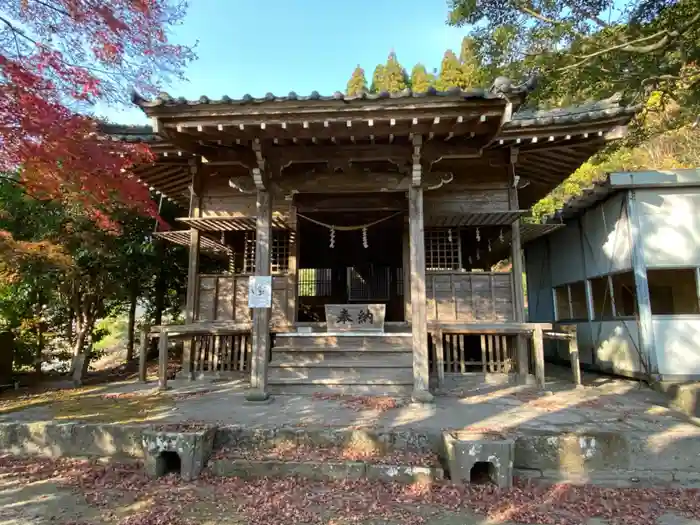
279, 252
442, 249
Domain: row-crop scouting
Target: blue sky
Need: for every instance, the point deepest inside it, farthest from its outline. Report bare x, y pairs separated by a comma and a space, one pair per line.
278, 46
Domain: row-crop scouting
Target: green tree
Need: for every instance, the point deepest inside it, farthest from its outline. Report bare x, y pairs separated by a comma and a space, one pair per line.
421, 80
378, 85
60, 273
450, 72
645, 50
592, 48
472, 74
395, 78
357, 83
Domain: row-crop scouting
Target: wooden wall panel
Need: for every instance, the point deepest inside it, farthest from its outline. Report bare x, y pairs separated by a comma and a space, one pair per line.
241, 311
469, 297
225, 298
207, 299
455, 198
220, 200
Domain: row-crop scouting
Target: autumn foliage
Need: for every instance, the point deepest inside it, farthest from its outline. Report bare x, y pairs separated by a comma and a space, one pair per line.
58, 58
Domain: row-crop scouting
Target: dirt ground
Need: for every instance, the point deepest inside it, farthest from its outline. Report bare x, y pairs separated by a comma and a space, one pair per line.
74, 492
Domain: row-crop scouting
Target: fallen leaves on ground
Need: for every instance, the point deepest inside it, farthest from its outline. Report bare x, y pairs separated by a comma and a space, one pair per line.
302, 452
359, 403
292, 500
91, 404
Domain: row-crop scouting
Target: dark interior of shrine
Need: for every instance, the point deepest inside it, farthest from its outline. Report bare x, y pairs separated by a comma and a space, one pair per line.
352, 270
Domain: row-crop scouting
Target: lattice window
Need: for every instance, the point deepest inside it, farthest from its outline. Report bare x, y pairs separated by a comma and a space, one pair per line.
442, 249
279, 252
315, 282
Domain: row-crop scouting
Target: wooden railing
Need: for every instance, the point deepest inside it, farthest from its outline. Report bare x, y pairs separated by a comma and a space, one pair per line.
465, 353
221, 353
452, 348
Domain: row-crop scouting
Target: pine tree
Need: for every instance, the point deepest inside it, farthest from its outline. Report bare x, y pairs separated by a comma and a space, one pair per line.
472, 74
450, 72
378, 80
395, 78
421, 80
357, 83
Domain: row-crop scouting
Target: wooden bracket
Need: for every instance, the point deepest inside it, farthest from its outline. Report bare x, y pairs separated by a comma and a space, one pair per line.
417, 171
259, 174
514, 155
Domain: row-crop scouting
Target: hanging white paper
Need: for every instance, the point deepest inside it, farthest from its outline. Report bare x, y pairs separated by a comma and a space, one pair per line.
260, 291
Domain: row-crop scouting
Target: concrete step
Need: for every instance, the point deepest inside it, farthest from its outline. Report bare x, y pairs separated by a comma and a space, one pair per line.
357, 343
342, 359
341, 375
351, 390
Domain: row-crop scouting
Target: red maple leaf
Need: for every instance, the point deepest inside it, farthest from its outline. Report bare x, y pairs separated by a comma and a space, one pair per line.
57, 59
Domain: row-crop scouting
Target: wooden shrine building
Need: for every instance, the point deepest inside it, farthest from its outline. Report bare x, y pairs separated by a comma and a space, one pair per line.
379, 218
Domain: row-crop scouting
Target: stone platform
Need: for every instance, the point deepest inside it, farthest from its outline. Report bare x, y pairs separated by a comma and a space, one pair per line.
610, 432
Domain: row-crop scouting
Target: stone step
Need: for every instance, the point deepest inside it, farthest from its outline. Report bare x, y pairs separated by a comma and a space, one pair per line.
307, 389
315, 355
356, 343
341, 376
346, 359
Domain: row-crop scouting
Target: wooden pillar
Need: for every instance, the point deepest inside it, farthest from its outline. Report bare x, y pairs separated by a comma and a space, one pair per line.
191, 305
261, 316
538, 349
517, 274
143, 351
406, 255
293, 269
163, 360
419, 318
573, 356
192, 268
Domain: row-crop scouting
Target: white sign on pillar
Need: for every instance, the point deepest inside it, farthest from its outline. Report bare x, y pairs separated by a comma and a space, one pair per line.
260, 291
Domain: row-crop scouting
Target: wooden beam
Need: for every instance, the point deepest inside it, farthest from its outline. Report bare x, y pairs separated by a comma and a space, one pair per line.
419, 320
261, 316
287, 155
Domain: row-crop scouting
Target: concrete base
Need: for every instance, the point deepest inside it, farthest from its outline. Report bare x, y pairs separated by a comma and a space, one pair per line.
470, 455
255, 395
185, 453
422, 396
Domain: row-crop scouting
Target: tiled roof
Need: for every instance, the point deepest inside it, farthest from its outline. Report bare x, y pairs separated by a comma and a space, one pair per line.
608, 108
526, 118
501, 88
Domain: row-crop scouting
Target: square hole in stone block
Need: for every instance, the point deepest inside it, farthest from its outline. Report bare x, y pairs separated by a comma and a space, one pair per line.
168, 462
483, 473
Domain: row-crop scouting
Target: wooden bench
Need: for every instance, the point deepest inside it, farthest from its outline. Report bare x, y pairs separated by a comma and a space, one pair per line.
537, 332
165, 333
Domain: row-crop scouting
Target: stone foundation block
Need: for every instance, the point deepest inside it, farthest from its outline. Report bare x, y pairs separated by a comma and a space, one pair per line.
244, 468
469, 457
404, 474
185, 453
